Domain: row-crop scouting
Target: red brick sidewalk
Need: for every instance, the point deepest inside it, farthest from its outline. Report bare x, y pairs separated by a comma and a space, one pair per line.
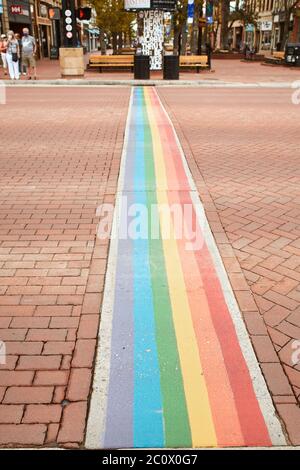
59, 161
243, 149
223, 70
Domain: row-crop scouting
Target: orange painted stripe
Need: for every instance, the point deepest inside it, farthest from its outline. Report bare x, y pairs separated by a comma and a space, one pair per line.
221, 398
173, 163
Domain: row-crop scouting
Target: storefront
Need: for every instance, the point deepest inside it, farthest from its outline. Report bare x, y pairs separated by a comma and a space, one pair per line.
265, 27
237, 35
278, 29
19, 15
46, 21
91, 39
295, 36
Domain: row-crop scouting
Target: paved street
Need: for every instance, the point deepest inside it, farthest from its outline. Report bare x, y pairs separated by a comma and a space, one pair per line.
60, 161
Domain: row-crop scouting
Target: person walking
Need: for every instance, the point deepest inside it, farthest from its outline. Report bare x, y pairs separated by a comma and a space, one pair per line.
3, 45
18, 38
12, 56
28, 53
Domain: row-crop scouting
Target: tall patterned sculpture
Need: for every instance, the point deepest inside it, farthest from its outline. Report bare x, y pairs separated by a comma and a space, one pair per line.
153, 37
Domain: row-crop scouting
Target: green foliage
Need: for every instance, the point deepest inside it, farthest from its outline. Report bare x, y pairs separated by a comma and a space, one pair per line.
111, 16
244, 14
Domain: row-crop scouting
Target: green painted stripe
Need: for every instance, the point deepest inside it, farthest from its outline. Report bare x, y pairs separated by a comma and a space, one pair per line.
176, 421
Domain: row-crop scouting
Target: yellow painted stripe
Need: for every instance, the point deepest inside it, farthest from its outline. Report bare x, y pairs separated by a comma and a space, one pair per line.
200, 416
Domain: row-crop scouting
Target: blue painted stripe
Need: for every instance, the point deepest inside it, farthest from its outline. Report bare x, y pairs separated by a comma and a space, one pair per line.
148, 411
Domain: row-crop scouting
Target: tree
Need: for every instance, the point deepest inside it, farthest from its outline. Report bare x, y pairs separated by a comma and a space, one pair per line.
179, 22
289, 7
180, 26
245, 13
225, 13
114, 21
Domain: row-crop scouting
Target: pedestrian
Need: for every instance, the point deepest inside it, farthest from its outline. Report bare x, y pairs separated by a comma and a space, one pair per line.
28, 53
12, 56
3, 45
18, 38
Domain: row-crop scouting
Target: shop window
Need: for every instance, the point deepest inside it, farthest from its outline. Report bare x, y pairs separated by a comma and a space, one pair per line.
43, 11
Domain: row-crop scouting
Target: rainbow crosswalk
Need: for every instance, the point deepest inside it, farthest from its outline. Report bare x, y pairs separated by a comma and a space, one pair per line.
175, 367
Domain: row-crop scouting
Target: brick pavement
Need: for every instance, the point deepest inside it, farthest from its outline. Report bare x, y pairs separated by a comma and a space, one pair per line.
244, 157
60, 152
243, 149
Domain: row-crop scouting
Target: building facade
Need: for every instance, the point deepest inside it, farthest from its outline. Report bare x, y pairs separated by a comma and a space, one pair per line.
43, 18
33, 14
267, 34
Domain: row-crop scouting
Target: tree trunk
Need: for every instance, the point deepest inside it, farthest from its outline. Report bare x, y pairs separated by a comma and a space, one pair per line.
194, 45
225, 9
176, 40
183, 40
286, 26
120, 41
102, 42
115, 43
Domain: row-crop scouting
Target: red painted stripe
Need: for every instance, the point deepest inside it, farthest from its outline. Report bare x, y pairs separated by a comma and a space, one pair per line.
225, 417
177, 178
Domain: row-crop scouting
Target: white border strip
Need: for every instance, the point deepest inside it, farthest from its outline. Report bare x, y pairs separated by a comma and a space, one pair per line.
98, 405
258, 381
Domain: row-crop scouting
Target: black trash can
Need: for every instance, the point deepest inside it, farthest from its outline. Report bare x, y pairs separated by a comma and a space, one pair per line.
292, 54
171, 67
141, 67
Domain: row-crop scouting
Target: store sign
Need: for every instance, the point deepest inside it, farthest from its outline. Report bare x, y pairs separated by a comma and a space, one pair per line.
16, 10
137, 4
43, 10
250, 28
190, 11
266, 25
19, 11
163, 5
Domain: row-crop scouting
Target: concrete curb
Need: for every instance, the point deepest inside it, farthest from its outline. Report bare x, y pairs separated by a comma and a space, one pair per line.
209, 83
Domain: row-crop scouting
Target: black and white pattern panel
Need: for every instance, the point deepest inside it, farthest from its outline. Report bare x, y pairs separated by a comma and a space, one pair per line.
153, 39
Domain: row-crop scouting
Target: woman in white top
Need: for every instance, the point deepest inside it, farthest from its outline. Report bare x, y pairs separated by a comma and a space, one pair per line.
3, 52
12, 56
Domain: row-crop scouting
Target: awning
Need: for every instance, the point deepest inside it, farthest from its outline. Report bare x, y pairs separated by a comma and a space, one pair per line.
94, 31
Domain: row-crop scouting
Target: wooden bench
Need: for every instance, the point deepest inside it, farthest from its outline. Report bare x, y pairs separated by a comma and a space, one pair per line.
194, 61
276, 58
112, 61
127, 51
